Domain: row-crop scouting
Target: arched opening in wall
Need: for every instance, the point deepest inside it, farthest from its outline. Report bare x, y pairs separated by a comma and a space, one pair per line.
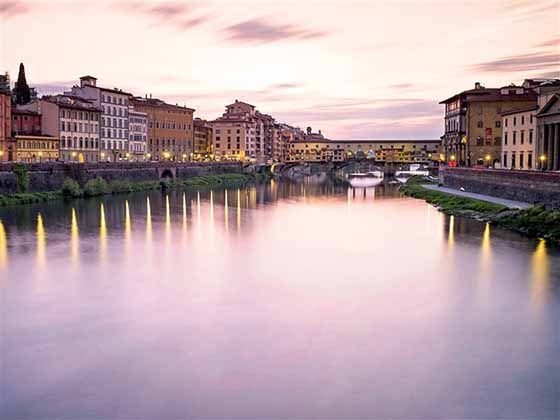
167, 174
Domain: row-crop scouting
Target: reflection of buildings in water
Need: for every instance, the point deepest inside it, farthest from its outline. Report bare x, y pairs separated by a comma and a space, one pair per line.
485, 262
127, 221
540, 274
41, 240
184, 212
238, 210
3, 247
167, 219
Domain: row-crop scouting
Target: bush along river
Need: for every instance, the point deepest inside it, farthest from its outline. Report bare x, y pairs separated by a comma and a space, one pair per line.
535, 221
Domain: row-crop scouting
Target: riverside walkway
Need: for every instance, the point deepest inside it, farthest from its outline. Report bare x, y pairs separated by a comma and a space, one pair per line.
482, 197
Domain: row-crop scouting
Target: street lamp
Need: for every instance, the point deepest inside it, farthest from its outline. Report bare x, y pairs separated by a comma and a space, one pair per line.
542, 159
148, 156
40, 156
74, 155
452, 157
184, 156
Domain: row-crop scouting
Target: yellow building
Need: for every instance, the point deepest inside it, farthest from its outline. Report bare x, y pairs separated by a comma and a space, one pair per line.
390, 151
37, 148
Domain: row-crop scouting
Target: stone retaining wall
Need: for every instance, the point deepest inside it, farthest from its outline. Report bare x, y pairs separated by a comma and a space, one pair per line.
526, 186
50, 176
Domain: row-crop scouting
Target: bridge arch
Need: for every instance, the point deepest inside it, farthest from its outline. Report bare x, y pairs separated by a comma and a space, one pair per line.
166, 173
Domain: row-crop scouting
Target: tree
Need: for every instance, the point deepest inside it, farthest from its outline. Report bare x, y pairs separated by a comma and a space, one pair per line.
22, 92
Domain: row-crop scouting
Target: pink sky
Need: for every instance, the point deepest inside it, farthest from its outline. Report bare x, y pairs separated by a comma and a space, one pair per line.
355, 69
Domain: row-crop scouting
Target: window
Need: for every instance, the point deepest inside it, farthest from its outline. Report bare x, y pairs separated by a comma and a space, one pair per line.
529, 160
522, 138
522, 119
513, 161
498, 124
480, 124
514, 137
506, 121
514, 121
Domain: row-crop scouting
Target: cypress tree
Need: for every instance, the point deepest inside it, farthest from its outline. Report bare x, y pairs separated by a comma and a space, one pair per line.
22, 92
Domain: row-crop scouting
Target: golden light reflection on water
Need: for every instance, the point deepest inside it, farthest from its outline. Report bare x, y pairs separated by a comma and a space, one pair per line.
167, 220
102, 234
127, 228
238, 210
451, 234
540, 275
41, 240
3, 247
211, 209
184, 212
485, 263
198, 208
74, 239
148, 220
226, 210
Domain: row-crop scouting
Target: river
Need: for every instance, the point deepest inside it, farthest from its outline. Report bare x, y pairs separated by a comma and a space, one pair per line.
276, 301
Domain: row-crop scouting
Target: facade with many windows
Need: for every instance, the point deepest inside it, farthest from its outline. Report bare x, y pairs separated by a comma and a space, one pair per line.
137, 135
385, 151
170, 129
202, 139
114, 127
473, 123
519, 139
72, 120
37, 148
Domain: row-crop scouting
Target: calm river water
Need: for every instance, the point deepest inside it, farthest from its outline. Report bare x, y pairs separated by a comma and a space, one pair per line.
280, 301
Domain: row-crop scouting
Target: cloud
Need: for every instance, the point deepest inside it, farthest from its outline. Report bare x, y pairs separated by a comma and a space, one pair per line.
520, 63
12, 8
180, 15
549, 75
262, 31
555, 42
402, 86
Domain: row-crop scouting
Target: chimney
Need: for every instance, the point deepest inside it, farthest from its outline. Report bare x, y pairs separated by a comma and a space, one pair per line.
477, 86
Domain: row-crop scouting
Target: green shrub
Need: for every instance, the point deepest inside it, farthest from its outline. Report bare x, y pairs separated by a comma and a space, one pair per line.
22, 177
95, 187
119, 186
71, 189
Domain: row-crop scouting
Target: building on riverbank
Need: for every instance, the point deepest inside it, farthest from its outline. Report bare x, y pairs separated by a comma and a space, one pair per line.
7, 145
473, 122
548, 124
519, 146
202, 139
137, 135
382, 151
238, 134
37, 148
74, 121
170, 129
114, 104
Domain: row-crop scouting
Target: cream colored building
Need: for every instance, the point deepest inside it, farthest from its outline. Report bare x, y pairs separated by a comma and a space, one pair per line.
236, 133
36, 148
397, 151
73, 120
519, 142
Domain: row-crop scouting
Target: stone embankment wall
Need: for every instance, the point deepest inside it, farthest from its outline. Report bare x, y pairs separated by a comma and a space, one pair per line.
526, 186
50, 176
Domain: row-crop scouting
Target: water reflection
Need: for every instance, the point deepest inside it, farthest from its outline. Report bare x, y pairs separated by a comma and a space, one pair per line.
102, 234
540, 275
305, 293
41, 241
3, 247
74, 239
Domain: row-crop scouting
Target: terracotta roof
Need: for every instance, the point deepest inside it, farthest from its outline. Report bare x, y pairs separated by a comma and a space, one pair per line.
25, 112
239, 102
88, 77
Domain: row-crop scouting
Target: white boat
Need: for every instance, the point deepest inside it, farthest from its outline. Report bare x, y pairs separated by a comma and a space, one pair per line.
364, 180
403, 176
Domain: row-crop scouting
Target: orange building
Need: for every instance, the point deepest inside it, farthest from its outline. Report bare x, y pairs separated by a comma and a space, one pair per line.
170, 129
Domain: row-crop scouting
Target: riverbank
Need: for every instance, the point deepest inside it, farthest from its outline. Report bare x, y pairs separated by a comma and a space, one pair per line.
535, 222
98, 186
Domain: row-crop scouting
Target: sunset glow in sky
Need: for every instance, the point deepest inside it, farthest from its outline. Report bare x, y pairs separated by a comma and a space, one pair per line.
355, 69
